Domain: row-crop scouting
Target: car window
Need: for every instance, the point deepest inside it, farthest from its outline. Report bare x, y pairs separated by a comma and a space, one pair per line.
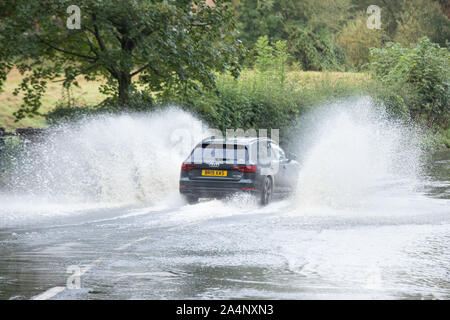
282, 154
222, 153
263, 151
278, 153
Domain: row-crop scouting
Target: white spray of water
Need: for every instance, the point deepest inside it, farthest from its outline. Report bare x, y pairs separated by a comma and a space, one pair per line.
355, 154
120, 159
352, 154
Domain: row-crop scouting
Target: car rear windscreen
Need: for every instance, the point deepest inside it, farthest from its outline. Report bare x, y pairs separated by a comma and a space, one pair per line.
221, 153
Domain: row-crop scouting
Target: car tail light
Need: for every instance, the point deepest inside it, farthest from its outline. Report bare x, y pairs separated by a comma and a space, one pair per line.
187, 167
251, 169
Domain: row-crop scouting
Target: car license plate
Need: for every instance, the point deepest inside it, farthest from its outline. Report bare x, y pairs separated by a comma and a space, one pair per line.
214, 173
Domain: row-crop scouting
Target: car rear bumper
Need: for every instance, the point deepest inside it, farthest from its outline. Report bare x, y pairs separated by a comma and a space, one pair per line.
215, 189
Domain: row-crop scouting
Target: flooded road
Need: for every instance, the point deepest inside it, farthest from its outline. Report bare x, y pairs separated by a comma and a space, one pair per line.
363, 224
397, 248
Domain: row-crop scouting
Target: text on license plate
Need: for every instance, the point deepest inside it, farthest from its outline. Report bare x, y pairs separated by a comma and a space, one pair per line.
214, 173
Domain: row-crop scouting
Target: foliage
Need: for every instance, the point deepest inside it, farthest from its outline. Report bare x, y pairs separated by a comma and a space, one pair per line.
415, 81
444, 135
420, 18
137, 102
317, 31
390, 13
272, 60
316, 50
356, 40
407, 21
267, 97
254, 101
275, 19
307, 26
166, 44
151, 52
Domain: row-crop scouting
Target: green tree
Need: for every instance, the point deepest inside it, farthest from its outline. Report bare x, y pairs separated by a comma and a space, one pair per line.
308, 26
422, 18
407, 21
264, 54
271, 61
157, 44
356, 40
390, 13
415, 80
257, 18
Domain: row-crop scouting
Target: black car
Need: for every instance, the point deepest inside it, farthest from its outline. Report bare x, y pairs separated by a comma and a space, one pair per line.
220, 167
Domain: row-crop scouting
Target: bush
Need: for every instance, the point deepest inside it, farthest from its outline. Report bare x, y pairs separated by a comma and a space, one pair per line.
256, 101
356, 40
414, 82
267, 97
422, 18
316, 50
139, 101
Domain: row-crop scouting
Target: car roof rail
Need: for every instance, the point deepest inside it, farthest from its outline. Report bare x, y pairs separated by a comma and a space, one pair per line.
251, 139
209, 138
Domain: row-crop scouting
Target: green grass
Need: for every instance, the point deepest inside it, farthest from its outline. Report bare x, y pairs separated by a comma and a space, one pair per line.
86, 94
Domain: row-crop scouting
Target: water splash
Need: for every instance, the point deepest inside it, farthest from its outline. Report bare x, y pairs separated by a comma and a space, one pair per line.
125, 158
354, 154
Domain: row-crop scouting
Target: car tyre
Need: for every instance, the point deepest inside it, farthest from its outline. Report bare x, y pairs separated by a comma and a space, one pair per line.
266, 192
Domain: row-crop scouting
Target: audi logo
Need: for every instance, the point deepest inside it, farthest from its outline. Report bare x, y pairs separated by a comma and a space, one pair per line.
214, 164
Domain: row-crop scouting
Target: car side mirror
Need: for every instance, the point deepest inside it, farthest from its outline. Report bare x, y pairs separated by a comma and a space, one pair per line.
291, 156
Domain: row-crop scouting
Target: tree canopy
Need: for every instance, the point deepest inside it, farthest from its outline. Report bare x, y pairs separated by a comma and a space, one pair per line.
160, 45
166, 47
333, 35
307, 26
